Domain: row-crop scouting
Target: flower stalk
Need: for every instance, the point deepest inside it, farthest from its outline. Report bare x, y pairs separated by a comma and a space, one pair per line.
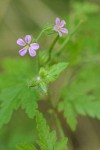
41, 33
52, 46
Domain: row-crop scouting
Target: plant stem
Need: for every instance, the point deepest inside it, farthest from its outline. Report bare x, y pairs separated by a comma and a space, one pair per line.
37, 62
37, 58
52, 46
57, 121
40, 35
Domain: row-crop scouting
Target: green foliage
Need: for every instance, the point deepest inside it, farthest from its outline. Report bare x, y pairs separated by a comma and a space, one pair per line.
47, 75
47, 139
16, 71
69, 113
54, 71
9, 103
51, 74
14, 97
17, 92
61, 145
20, 80
43, 87
85, 7
82, 97
26, 147
29, 98
16, 65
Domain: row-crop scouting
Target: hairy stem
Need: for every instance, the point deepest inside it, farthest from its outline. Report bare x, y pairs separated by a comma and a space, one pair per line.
37, 62
40, 35
52, 46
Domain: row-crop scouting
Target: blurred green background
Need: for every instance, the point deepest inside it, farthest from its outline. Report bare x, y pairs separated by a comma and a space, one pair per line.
21, 17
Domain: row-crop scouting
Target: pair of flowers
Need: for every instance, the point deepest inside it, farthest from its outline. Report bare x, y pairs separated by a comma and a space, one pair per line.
32, 47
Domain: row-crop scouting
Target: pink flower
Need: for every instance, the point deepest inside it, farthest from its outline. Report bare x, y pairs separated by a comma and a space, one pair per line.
27, 46
59, 27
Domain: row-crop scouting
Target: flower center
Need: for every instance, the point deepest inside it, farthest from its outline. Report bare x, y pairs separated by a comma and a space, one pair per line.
27, 46
59, 28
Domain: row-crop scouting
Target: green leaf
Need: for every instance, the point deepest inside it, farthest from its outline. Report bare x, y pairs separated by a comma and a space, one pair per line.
82, 97
15, 65
39, 83
14, 97
16, 92
46, 76
15, 71
29, 101
9, 102
69, 113
61, 145
54, 71
42, 73
26, 147
88, 107
47, 139
43, 87
85, 88
70, 116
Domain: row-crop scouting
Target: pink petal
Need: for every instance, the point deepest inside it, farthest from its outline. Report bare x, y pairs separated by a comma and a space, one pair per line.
28, 39
32, 52
55, 27
60, 34
64, 30
57, 21
62, 23
35, 46
23, 51
21, 42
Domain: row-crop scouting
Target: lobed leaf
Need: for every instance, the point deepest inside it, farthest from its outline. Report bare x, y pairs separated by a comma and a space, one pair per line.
47, 139
29, 101
69, 113
61, 145
82, 97
14, 97
9, 103
54, 71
